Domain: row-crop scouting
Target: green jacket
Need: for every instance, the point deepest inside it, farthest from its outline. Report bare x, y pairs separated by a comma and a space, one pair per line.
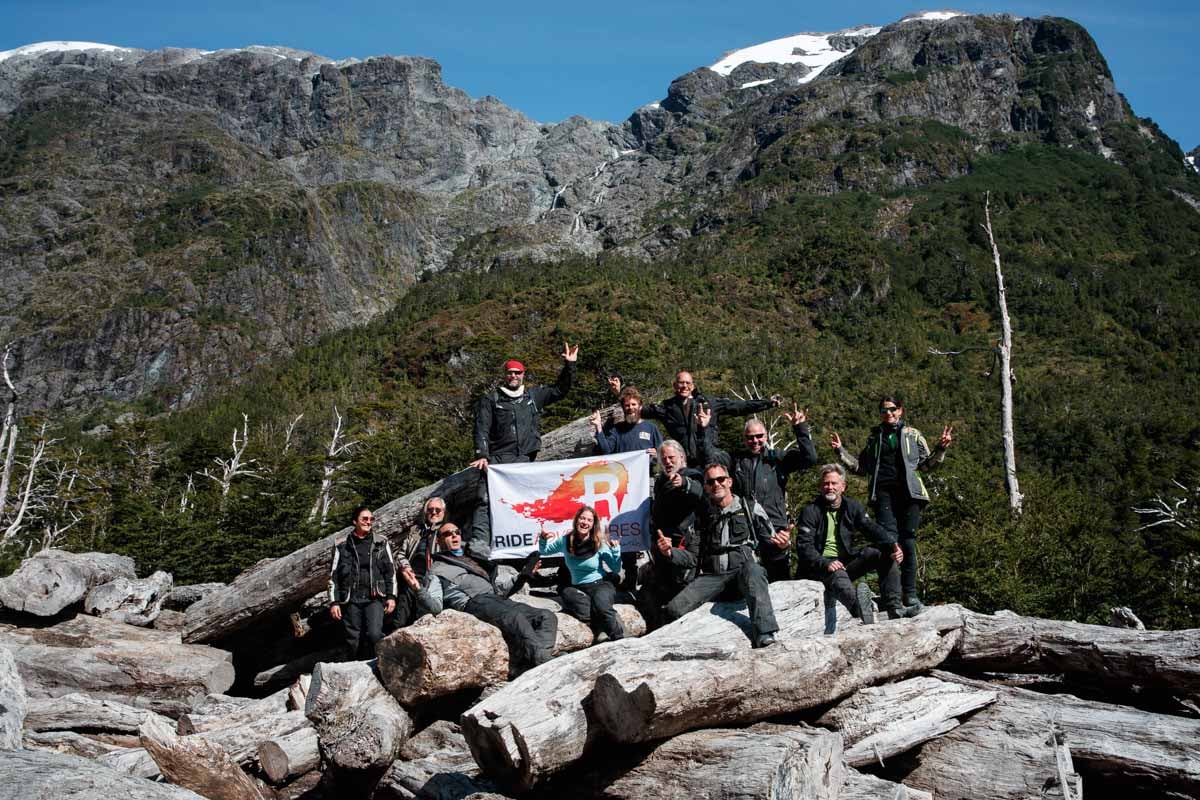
917, 458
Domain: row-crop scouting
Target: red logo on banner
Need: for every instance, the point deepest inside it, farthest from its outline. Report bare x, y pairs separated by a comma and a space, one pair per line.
602, 485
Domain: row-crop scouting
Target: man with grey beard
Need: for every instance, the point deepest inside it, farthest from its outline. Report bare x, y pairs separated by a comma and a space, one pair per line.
824, 544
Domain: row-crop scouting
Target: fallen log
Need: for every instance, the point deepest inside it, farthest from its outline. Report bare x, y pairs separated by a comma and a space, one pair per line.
168, 620
274, 587
286, 674
285, 758
360, 725
241, 742
575, 635
440, 655
1006, 642
763, 761
132, 601
13, 702
243, 714
140, 666
76, 744
52, 580
539, 723
435, 764
132, 761
1007, 749
657, 693
861, 786
298, 693
879, 722
195, 764
40, 774
180, 597
84, 712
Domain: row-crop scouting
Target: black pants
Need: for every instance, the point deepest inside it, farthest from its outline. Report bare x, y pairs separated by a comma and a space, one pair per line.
593, 603
750, 580
841, 583
901, 515
778, 569
529, 632
363, 622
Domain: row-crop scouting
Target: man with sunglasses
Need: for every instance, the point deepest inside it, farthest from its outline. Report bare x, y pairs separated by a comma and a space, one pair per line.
729, 529
893, 459
760, 473
458, 580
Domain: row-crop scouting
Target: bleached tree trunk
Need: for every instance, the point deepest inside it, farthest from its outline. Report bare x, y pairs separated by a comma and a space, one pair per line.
28, 495
8, 434
332, 466
1015, 497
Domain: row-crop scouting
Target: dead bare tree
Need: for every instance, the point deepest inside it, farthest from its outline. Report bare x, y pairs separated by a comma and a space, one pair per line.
1170, 511
8, 435
334, 463
291, 429
61, 500
1003, 353
234, 466
30, 498
185, 496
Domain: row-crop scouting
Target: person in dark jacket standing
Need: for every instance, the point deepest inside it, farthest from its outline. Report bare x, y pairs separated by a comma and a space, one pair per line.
362, 584
761, 473
824, 544
630, 434
678, 413
730, 529
894, 458
507, 418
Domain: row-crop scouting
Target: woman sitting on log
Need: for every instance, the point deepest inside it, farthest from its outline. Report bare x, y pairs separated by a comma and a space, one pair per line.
587, 551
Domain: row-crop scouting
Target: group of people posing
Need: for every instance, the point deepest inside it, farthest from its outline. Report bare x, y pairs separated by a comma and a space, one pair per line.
720, 523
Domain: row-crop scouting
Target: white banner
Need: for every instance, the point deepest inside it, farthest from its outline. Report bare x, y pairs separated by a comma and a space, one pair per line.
523, 497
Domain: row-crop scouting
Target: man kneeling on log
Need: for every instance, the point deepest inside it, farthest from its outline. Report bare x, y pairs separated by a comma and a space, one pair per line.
823, 542
730, 528
460, 581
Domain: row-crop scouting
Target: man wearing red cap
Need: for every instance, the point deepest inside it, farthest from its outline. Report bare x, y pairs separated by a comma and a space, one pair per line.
506, 419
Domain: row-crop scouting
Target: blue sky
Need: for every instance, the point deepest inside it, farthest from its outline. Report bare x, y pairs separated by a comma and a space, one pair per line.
554, 58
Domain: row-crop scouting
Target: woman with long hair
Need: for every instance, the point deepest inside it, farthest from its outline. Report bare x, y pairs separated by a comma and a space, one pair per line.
587, 552
895, 456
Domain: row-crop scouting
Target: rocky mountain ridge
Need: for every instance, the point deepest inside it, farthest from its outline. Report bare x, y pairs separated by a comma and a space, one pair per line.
172, 218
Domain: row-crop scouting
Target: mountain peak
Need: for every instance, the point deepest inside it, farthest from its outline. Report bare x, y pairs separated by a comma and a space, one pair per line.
38, 48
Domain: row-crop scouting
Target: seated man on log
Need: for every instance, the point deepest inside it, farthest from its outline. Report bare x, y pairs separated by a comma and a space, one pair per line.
507, 424
677, 496
463, 582
760, 473
730, 529
678, 413
362, 585
824, 545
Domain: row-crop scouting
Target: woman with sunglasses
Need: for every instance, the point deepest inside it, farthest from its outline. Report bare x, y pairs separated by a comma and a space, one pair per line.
893, 459
587, 552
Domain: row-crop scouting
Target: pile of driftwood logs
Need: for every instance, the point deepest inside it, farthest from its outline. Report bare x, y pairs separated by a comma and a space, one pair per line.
111, 686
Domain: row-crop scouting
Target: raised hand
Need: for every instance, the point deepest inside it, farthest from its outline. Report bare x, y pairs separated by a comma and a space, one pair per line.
797, 416
614, 384
663, 544
835, 441
597, 422
546, 535
569, 353
676, 479
946, 438
703, 416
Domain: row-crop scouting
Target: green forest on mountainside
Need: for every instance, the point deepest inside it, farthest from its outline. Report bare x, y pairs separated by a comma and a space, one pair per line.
827, 300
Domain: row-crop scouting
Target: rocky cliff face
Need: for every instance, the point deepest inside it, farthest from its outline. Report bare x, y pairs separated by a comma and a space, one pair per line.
169, 219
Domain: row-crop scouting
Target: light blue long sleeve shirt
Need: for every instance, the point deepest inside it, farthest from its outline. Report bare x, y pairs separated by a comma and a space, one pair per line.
583, 570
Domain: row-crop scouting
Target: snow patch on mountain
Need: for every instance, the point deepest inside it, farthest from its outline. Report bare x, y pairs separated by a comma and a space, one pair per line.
932, 16
814, 50
38, 48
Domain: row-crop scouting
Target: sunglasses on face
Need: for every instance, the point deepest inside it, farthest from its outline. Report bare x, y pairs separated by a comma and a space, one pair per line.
435, 511
888, 409
716, 481
756, 436
515, 371
366, 519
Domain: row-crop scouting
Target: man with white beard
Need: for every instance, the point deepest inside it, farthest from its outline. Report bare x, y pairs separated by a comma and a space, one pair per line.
824, 544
